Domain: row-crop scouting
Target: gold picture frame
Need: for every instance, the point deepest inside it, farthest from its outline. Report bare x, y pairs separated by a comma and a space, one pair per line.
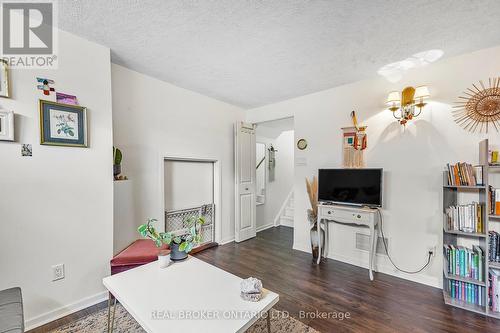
4, 79
63, 124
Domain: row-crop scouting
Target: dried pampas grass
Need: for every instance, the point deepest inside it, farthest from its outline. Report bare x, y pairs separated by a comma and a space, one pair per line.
312, 191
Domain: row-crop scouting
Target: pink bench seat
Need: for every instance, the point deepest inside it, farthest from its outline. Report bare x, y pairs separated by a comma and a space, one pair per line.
140, 252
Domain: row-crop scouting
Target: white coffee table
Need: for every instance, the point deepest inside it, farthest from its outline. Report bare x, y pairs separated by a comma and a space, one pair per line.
161, 299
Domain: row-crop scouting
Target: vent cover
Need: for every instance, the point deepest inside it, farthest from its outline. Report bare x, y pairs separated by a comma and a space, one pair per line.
363, 243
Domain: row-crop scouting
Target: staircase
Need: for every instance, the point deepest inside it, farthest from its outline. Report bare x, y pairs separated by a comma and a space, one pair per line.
286, 216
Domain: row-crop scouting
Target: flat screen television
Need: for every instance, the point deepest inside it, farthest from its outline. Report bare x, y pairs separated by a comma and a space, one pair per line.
360, 187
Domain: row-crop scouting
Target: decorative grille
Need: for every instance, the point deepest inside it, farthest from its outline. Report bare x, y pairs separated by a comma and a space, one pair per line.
175, 221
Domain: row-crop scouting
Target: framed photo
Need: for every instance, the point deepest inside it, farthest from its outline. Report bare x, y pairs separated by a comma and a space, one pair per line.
4, 79
63, 124
6, 125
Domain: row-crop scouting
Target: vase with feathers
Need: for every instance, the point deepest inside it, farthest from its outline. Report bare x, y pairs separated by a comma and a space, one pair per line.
316, 233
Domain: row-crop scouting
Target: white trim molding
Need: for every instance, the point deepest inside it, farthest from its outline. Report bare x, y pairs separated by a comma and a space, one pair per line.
380, 267
217, 188
264, 227
63, 311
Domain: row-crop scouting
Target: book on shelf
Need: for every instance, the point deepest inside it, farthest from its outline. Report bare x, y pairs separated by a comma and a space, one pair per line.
467, 292
494, 246
493, 155
465, 262
494, 290
494, 200
466, 218
464, 174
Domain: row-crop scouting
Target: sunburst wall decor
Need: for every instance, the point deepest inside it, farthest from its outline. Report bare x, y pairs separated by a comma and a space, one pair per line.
479, 107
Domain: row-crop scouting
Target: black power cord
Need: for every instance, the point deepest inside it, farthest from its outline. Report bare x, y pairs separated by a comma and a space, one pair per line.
387, 251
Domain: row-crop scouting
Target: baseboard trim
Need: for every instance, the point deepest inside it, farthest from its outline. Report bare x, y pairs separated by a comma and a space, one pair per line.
223, 242
63, 311
382, 268
264, 227
289, 224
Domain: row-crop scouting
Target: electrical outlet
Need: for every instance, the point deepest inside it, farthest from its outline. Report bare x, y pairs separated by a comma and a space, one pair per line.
432, 250
57, 272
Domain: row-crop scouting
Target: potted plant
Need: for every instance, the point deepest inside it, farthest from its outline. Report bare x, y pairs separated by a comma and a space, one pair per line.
117, 161
181, 243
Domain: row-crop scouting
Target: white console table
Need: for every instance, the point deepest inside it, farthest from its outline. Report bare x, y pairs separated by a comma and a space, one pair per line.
350, 215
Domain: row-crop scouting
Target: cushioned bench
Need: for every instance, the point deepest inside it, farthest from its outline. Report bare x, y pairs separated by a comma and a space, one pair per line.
11, 311
140, 252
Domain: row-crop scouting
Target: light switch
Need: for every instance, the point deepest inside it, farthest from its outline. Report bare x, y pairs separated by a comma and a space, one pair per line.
300, 161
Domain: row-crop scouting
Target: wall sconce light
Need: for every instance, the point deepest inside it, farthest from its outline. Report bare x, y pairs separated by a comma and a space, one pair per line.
404, 105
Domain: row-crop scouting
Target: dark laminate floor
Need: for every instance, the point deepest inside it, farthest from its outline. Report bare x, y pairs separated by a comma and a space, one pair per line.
387, 304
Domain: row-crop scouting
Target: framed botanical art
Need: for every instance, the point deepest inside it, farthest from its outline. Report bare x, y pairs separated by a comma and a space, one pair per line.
4, 79
6, 125
63, 124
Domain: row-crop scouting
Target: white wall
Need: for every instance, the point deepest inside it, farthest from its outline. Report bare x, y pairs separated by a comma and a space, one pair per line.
277, 190
124, 226
188, 184
261, 172
57, 206
153, 119
413, 160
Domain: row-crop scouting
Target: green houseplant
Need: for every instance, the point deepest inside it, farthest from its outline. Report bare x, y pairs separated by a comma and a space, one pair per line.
117, 161
181, 243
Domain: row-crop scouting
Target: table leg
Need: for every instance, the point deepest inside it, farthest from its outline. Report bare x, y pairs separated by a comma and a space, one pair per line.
319, 240
327, 240
111, 315
372, 251
269, 321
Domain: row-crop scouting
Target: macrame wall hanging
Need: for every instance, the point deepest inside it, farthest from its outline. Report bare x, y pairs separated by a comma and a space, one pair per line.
354, 144
480, 107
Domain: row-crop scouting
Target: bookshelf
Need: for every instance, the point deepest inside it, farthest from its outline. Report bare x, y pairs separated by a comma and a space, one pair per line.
451, 197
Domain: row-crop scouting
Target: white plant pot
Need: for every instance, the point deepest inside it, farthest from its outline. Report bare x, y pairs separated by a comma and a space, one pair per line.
163, 260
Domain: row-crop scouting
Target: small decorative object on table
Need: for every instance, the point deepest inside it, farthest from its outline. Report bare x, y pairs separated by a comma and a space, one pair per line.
180, 244
312, 215
164, 258
251, 289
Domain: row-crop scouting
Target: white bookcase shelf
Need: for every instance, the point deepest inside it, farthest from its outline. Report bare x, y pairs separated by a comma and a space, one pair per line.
450, 197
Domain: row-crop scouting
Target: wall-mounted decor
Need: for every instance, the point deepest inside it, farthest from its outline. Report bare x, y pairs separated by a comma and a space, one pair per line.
302, 144
26, 149
4, 79
66, 99
272, 162
6, 125
63, 124
479, 107
45, 85
355, 141
404, 105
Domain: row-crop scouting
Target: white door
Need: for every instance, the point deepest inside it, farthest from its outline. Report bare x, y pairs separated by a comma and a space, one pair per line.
245, 206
